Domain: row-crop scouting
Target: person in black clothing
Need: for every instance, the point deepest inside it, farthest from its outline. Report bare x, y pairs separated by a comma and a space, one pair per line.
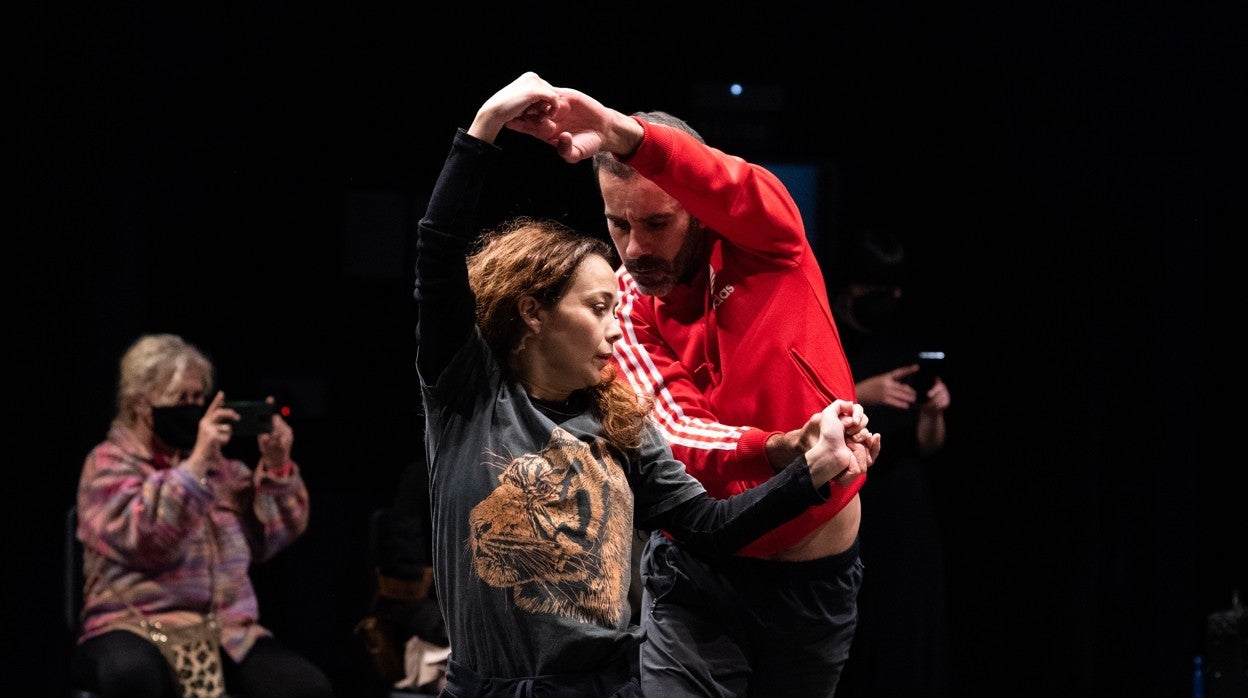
405, 603
901, 648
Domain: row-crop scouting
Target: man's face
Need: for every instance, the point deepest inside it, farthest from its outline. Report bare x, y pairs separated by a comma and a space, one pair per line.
658, 241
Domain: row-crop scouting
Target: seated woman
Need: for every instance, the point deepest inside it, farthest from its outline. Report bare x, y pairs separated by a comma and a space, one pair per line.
170, 527
541, 462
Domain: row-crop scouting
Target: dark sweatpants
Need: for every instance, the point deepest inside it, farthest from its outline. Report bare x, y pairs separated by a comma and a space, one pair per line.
745, 627
611, 682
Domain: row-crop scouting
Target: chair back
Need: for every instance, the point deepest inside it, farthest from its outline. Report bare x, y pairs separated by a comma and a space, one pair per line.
73, 574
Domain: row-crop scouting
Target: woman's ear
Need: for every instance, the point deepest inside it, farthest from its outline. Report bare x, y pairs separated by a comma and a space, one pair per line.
530, 313
137, 409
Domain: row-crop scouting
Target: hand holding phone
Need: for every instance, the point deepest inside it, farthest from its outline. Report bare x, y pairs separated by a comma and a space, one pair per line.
930, 363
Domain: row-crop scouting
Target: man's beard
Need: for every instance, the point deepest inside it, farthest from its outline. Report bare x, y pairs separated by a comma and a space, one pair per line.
657, 277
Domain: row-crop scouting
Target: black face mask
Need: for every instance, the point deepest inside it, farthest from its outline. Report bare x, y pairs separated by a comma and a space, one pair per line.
876, 309
178, 425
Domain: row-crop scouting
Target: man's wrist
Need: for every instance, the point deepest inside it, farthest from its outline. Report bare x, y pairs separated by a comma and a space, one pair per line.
780, 450
628, 133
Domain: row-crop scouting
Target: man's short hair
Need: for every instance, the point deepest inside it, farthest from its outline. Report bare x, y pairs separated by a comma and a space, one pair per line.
605, 160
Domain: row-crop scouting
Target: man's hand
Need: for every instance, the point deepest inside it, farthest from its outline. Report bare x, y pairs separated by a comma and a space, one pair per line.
576, 124
783, 448
845, 448
864, 445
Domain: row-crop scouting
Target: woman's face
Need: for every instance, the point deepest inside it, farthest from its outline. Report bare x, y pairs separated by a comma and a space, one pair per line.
189, 391
576, 336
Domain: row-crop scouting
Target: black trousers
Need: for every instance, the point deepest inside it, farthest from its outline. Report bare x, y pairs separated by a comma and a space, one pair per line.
612, 682
742, 626
120, 664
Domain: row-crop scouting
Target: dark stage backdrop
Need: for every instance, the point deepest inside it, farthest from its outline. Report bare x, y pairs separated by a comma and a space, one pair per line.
1070, 175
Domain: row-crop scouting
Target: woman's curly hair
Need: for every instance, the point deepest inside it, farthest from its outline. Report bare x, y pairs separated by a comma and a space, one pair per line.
539, 258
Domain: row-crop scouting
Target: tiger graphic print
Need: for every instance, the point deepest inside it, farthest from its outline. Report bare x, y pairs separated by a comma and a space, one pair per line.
557, 531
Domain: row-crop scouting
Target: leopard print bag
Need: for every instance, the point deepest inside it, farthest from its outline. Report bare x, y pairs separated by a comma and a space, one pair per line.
192, 651
194, 655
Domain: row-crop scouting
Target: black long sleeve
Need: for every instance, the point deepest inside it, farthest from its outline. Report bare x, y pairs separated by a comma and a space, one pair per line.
444, 236
724, 526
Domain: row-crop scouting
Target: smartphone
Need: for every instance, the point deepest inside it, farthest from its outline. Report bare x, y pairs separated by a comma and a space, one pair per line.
255, 417
930, 363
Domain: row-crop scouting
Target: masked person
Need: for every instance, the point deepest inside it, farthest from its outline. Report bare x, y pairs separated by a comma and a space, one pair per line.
170, 528
901, 647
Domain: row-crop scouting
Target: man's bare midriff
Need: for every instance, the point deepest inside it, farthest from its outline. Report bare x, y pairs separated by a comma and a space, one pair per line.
832, 538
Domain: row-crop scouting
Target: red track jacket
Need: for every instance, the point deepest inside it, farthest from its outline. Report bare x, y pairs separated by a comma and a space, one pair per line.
748, 348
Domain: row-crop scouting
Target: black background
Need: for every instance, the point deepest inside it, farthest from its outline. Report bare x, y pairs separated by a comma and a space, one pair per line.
1068, 173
